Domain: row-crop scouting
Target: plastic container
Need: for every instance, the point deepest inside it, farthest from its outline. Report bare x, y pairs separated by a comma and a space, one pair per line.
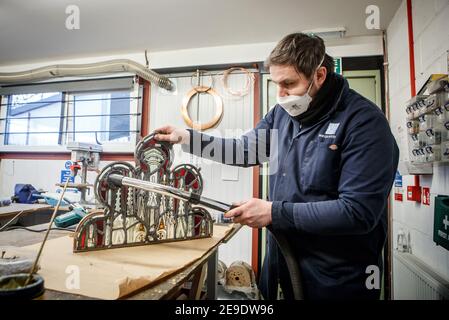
415, 141
431, 103
426, 121
431, 121
422, 139
433, 136
446, 110
445, 151
413, 126
414, 155
409, 112
416, 109
443, 97
419, 155
441, 116
445, 131
422, 123
433, 153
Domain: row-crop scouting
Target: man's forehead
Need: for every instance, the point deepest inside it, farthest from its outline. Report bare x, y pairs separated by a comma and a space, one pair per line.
281, 73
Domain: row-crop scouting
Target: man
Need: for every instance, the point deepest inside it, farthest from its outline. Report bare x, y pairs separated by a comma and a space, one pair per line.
335, 160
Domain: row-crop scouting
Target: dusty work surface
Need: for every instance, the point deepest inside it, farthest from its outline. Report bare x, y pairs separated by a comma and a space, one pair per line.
15, 208
111, 274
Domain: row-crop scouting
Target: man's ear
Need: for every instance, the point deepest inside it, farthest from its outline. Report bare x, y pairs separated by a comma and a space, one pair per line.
321, 75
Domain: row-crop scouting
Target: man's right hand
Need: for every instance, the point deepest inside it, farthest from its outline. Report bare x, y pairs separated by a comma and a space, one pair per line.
172, 134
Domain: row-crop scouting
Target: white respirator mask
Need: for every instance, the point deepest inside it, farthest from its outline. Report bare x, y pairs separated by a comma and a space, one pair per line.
296, 105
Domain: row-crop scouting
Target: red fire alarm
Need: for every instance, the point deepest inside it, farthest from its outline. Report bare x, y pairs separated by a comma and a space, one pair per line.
398, 196
414, 193
426, 196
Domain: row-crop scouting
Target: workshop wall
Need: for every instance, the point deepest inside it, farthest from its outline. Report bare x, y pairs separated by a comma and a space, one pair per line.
42, 174
225, 183
431, 38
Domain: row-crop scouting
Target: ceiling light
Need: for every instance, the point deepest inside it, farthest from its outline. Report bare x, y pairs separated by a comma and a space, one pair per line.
327, 33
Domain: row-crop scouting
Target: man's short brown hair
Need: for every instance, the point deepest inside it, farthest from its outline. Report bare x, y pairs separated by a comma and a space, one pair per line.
302, 51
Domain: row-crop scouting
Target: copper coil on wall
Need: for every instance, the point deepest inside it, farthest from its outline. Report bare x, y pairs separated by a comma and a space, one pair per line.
246, 88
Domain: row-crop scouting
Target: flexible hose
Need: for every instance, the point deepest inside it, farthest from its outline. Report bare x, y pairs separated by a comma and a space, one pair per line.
88, 69
292, 265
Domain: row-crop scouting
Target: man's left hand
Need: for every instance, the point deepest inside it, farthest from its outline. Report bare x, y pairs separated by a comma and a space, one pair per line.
255, 213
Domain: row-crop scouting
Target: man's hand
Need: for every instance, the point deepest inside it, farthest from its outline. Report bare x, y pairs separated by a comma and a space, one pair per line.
172, 135
255, 213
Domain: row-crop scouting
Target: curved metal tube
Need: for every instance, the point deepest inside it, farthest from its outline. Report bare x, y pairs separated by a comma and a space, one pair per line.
88, 69
287, 251
192, 197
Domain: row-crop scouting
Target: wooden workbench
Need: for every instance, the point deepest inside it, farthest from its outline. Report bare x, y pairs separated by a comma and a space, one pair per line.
164, 288
31, 213
10, 211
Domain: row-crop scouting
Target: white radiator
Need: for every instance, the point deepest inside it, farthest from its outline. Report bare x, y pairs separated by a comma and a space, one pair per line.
414, 280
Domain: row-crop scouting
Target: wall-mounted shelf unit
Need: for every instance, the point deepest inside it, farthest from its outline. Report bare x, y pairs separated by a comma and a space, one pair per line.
428, 126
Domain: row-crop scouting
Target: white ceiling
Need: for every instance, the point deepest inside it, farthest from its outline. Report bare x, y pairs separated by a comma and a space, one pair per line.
35, 30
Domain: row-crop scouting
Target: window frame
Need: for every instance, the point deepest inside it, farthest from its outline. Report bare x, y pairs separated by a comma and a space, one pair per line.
63, 135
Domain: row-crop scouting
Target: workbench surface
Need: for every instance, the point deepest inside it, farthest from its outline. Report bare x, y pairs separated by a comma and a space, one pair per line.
164, 288
15, 208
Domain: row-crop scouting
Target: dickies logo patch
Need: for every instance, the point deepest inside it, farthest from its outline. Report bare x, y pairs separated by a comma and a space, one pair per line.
333, 147
332, 128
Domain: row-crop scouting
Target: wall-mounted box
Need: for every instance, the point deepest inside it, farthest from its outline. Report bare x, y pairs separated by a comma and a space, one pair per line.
441, 221
414, 193
427, 122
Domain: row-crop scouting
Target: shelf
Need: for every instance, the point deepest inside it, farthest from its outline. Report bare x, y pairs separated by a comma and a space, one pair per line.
417, 168
412, 168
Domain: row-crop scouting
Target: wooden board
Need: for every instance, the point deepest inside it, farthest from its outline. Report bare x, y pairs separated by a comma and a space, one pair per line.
111, 274
15, 208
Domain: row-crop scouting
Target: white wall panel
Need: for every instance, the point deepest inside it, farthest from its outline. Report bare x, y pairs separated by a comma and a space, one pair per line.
431, 32
237, 118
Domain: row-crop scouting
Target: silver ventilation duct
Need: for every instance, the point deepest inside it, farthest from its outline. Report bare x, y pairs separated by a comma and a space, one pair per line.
88, 69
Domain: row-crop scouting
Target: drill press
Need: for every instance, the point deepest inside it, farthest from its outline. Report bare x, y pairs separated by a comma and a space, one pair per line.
85, 156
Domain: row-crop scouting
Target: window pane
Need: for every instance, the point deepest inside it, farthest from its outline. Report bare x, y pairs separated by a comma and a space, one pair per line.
104, 113
33, 119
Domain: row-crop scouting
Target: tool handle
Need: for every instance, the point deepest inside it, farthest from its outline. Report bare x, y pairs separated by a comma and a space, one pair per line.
115, 179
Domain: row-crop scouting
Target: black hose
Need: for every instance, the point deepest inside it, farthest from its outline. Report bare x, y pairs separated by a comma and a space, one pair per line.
292, 264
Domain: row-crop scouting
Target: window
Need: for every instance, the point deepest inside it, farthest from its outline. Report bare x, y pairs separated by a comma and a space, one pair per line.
103, 117
32, 119
108, 117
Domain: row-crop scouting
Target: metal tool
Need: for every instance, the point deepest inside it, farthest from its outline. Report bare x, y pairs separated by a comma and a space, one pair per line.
192, 197
70, 218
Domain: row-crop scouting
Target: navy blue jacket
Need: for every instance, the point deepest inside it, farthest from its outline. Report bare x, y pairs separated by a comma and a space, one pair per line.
329, 184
